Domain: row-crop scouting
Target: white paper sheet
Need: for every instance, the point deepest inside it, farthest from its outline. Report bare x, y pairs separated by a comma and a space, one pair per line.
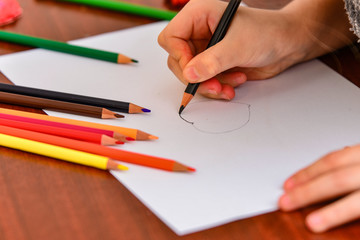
242, 150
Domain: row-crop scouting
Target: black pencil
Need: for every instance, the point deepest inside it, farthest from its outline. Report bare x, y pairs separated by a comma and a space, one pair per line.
218, 35
113, 105
60, 106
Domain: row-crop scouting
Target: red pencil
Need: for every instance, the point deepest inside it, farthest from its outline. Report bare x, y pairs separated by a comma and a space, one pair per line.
109, 133
73, 134
116, 154
130, 132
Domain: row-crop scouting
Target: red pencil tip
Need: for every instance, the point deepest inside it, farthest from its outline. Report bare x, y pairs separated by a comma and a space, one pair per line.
190, 169
130, 139
119, 142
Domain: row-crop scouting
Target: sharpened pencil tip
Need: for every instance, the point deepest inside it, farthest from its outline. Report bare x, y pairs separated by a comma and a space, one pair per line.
119, 142
190, 169
145, 110
152, 137
181, 109
119, 115
122, 167
134, 61
130, 139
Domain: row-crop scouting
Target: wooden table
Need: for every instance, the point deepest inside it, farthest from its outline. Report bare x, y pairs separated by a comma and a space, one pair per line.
42, 198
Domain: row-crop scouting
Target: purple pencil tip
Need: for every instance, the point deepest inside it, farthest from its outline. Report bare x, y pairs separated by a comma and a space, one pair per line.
145, 110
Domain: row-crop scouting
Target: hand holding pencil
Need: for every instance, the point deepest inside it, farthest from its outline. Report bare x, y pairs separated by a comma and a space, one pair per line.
245, 53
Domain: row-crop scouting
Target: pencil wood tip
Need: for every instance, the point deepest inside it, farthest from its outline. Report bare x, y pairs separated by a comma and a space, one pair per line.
137, 109
184, 102
178, 167
114, 165
146, 110
122, 59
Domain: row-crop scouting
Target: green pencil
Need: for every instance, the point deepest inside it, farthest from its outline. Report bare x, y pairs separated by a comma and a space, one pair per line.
64, 47
128, 8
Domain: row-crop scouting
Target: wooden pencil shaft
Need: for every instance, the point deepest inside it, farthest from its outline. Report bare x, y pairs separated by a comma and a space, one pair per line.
224, 22
131, 8
218, 35
44, 103
118, 154
72, 134
65, 126
58, 46
67, 97
54, 151
130, 132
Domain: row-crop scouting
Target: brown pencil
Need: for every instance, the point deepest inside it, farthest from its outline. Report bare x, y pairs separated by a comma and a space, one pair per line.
61, 106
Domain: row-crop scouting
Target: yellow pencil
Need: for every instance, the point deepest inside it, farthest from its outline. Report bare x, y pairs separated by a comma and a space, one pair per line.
60, 153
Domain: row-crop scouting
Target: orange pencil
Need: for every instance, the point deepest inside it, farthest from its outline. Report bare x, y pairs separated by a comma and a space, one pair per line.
130, 132
116, 154
73, 134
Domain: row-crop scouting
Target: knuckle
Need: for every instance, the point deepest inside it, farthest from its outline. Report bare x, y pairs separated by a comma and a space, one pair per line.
332, 159
213, 64
341, 179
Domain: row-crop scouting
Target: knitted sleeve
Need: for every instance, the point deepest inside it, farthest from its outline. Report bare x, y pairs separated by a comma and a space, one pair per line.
353, 11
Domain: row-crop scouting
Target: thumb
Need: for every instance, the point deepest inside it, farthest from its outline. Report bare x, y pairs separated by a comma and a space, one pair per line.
209, 63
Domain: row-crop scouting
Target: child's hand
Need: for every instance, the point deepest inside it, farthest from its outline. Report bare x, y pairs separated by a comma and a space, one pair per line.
259, 43
335, 175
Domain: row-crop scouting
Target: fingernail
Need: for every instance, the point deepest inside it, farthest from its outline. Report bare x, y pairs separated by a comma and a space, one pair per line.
212, 92
236, 81
289, 184
191, 74
285, 202
225, 97
315, 222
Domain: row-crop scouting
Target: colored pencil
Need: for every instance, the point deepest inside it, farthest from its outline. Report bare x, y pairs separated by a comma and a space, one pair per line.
127, 7
117, 154
64, 47
112, 134
118, 106
73, 134
61, 153
218, 35
56, 105
130, 132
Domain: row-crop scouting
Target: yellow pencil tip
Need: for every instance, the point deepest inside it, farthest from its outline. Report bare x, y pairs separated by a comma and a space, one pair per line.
122, 167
